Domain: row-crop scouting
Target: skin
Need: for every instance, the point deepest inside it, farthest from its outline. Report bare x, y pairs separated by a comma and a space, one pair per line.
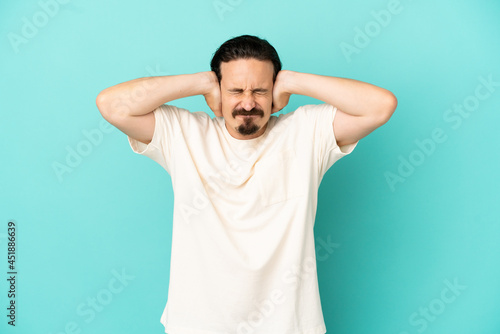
246, 87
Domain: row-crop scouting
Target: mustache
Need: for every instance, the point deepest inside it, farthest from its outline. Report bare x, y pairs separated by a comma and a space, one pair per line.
253, 111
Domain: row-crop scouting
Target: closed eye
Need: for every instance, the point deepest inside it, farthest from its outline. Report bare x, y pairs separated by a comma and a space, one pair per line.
259, 91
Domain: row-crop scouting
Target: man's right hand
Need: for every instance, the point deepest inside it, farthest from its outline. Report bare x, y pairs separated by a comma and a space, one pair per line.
213, 95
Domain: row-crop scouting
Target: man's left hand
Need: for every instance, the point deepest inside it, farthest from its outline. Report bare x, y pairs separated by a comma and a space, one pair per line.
281, 95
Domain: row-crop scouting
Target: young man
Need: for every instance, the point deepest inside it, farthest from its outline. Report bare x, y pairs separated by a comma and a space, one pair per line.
245, 183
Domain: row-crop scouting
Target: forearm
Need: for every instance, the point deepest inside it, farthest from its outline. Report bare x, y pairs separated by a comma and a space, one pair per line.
143, 95
350, 96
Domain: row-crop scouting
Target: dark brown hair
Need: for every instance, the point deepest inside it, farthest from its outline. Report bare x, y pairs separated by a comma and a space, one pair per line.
245, 47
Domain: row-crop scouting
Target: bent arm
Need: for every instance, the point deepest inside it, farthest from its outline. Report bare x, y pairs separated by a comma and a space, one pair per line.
129, 105
361, 107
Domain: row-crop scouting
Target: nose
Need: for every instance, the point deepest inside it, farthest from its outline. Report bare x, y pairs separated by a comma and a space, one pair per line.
248, 102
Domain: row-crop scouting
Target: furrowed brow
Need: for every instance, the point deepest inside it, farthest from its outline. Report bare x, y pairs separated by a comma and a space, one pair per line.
240, 90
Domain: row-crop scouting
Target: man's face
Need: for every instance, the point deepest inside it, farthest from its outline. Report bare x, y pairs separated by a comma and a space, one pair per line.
246, 89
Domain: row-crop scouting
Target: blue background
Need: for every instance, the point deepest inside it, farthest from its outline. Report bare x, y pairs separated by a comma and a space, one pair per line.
397, 243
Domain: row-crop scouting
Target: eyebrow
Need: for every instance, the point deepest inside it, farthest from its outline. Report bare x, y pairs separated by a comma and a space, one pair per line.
256, 90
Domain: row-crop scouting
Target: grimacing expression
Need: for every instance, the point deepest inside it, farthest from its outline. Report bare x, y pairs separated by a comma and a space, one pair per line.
247, 96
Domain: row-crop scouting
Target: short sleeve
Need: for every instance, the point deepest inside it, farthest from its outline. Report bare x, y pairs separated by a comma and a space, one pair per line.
167, 127
327, 150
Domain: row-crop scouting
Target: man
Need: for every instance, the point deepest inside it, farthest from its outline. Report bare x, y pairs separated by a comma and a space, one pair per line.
245, 183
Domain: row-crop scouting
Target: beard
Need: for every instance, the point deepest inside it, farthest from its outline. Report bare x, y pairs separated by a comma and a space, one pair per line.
248, 127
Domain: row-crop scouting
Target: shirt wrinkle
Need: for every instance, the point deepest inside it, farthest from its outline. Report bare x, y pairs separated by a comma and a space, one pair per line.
243, 250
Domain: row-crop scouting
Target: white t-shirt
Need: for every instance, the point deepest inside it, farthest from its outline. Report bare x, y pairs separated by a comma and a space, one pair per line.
243, 254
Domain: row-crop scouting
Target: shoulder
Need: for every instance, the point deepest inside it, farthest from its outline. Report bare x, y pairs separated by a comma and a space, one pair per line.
182, 114
306, 112
311, 109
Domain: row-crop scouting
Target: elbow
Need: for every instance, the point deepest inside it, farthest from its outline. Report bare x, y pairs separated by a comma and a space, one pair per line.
388, 107
102, 103
111, 107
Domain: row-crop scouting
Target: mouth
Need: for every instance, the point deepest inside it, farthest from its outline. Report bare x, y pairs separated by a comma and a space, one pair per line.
246, 116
